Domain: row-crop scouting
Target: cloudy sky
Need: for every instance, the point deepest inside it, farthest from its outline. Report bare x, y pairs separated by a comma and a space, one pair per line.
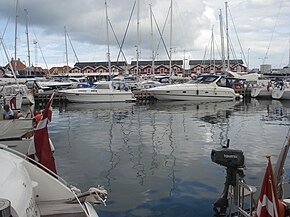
259, 30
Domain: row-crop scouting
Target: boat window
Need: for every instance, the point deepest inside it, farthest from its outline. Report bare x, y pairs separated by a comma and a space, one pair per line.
102, 86
222, 82
203, 80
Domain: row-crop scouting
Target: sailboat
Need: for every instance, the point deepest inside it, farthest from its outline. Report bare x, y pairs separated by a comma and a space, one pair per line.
282, 88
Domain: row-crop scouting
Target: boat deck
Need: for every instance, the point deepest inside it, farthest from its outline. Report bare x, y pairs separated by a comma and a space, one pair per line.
60, 208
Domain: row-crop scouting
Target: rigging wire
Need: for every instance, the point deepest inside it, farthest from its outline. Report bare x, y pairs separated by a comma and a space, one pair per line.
161, 34
36, 39
242, 51
5, 28
268, 48
72, 46
121, 50
126, 31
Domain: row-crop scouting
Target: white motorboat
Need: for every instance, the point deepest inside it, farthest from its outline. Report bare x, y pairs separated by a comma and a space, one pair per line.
263, 89
206, 88
22, 94
102, 91
281, 90
30, 190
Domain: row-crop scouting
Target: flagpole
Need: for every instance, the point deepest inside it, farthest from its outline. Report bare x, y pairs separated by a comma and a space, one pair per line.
272, 178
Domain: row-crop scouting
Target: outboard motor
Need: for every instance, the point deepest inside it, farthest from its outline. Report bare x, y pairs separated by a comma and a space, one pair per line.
234, 161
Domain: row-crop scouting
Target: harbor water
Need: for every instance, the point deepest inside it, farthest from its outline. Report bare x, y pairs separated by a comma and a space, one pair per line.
154, 160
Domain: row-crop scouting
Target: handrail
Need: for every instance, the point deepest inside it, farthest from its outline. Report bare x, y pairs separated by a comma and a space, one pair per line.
241, 196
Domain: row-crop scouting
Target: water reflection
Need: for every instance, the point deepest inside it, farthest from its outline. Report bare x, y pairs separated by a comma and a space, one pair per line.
155, 159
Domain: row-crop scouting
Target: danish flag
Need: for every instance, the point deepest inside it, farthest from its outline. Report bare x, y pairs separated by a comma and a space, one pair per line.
268, 203
40, 147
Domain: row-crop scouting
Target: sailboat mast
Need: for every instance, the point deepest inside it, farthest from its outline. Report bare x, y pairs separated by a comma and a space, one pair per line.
227, 34
28, 48
289, 52
138, 36
170, 50
222, 41
15, 38
212, 50
152, 40
66, 55
108, 39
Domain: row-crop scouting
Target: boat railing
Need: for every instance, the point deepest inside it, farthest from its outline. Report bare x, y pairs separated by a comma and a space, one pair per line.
243, 197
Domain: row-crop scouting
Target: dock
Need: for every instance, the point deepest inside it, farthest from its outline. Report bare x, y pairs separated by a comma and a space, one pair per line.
245, 92
42, 98
143, 97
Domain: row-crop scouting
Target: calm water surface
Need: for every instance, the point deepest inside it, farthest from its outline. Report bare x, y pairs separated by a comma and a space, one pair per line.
154, 160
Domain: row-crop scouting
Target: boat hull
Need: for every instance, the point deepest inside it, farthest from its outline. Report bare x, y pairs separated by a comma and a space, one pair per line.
33, 192
281, 93
261, 92
89, 96
193, 93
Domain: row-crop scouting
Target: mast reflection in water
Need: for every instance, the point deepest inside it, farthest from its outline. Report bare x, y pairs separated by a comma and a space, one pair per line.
154, 160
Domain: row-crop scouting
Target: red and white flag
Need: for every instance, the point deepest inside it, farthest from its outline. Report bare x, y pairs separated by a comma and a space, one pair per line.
268, 203
40, 147
13, 102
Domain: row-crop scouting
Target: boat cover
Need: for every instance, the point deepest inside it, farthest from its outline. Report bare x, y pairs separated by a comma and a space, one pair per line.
16, 128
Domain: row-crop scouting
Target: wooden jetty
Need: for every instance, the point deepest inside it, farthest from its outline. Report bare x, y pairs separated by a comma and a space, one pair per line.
42, 98
143, 97
245, 92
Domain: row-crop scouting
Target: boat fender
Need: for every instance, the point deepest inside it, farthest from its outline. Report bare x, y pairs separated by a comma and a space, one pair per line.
197, 92
5, 208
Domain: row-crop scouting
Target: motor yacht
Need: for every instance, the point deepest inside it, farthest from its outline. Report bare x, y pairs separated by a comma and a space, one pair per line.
207, 88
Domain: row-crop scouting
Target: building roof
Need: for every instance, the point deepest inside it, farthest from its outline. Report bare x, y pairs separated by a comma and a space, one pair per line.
59, 69
217, 62
16, 64
157, 62
81, 65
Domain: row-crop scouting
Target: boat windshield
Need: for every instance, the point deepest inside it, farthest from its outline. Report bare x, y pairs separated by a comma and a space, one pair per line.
102, 86
203, 80
119, 85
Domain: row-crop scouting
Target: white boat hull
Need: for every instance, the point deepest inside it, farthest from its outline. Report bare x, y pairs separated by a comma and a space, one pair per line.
19, 187
281, 93
87, 95
187, 92
33, 192
261, 92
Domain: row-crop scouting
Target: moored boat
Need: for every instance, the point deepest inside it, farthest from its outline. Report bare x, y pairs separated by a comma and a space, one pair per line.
281, 90
263, 89
208, 88
28, 189
102, 91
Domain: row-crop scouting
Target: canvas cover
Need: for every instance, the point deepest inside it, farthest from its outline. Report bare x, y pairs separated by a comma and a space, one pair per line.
16, 128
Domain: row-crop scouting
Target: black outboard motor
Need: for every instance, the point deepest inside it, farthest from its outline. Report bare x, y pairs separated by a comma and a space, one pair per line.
234, 161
